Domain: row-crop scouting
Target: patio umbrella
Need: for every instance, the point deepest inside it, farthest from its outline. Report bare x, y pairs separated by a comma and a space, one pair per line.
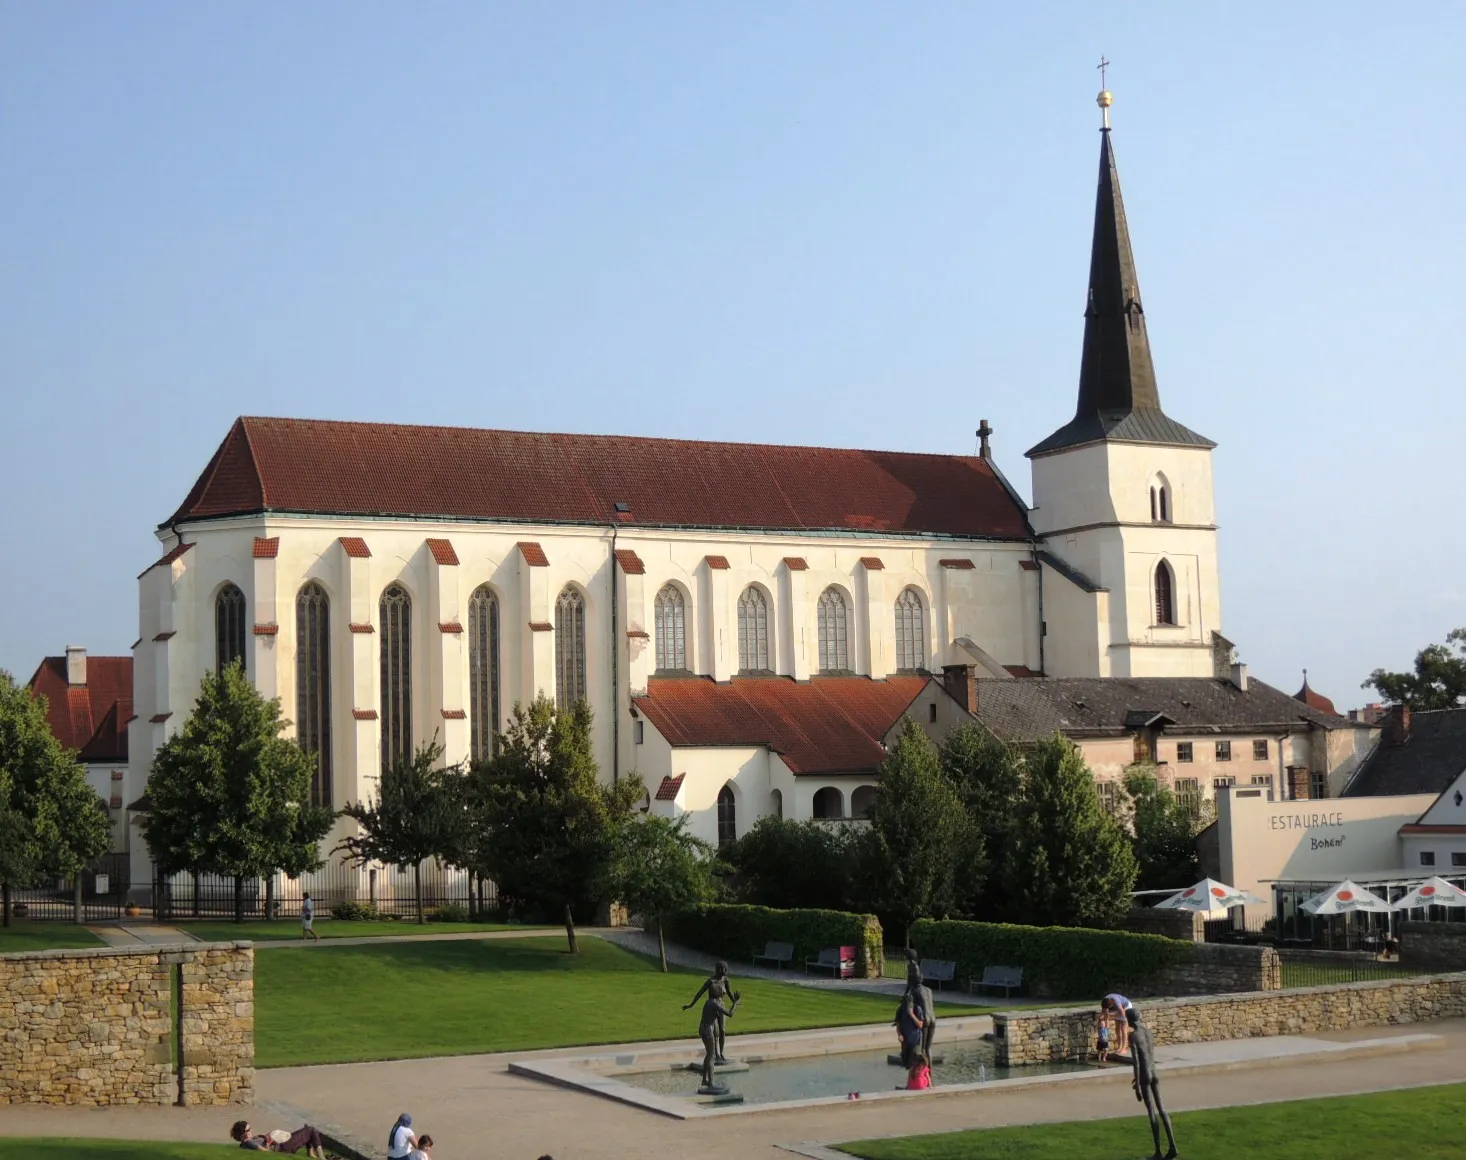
1346, 898
1209, 895
1432, 892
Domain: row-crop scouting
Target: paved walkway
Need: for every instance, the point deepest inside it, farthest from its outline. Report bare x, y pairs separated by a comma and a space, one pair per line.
133, 935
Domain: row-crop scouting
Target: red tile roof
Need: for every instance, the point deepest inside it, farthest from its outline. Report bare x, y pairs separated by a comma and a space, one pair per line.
667, 791
90, 718
796, 564
1314, 700
356, 547
717, 563
267, 549
541, 626
266, 629
360, 628
166, 558
332, 468
533, 554
442, 551
824, 726
449, 626
872, 563
630, 562
455, 715
960, 565
364, 714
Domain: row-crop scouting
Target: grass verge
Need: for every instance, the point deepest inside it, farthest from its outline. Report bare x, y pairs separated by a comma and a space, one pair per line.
288, 929
45, 936
45, 1148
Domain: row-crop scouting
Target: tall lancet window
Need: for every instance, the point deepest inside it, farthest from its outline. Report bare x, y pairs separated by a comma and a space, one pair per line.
1165, 594
313, 685
671, 626
229, 627
910, 632
753, 631
832, 623
396, 616
569, 648
483, 671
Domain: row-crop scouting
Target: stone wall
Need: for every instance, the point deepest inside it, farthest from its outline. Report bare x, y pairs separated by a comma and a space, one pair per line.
1433, 946
1220, 968
98, 1027
1065, 1033
1181, 924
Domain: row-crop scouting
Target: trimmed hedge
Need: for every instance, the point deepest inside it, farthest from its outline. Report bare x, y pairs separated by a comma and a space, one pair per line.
1060, 961
737, 933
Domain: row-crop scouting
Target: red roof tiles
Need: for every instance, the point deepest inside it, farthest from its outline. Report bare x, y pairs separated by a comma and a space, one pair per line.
667, 791
455, 715
364, 714
1313, 699
959, 565
541, 626
630, 562
826, 725
533, 554
361, 628
449, 626
872, 563
90, 718
267, 549
356, 547
167, 558
442, 551
717, 563
266, 629
796, 564
331, 468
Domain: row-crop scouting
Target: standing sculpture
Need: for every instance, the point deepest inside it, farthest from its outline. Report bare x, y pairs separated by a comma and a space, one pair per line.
715, 1013
922, 995
717, 986
1147, 1084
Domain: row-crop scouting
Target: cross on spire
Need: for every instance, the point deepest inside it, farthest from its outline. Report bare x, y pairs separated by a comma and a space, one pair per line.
1102, 66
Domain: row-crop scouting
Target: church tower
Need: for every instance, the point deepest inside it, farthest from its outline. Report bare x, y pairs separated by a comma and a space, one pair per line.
1122, 493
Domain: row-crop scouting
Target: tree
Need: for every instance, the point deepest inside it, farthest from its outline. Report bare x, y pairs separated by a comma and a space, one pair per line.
1439, 679
662, 869
988, 775
788, 865
229, 795
52, 824
415, 816
920, 842
1166, 825
550, 825
1070, 863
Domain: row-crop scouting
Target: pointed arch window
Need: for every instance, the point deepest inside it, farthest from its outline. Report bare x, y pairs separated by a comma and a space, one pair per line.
910, 632
395, 610
1165, 594
569, 648
753, 631
727, 816
1160, 502
671, 627
483, 672
313, 685
229, 627
832, 621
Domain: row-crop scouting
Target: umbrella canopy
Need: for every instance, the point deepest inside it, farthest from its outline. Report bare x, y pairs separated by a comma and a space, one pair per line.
1346, 898
1208, 895
1432, 892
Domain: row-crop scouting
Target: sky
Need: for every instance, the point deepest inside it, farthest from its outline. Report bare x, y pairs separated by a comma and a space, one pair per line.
850, 224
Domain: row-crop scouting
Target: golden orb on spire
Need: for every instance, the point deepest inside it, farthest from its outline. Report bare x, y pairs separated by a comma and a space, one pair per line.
1105, 99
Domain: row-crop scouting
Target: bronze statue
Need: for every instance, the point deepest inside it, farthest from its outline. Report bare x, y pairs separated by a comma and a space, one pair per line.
922, 995
717, 986
715, 1014
1147, 1084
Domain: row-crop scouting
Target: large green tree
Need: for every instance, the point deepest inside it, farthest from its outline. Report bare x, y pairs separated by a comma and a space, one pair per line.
551, 827
662, 869
416, 815
988, 776
229, 795
788, 865
1438, 680
52, 824
1165, 826
923, 853
1070, 863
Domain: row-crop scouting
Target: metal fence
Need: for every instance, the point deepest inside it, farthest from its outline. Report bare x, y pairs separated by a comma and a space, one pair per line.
1324, 968
104, 887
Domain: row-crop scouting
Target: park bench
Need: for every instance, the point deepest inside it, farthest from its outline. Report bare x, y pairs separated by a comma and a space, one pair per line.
1010, 979
839, 961
938, 971
780, 954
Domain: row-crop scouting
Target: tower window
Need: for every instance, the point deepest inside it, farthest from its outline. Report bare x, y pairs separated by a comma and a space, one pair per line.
1165, 594
1160, 500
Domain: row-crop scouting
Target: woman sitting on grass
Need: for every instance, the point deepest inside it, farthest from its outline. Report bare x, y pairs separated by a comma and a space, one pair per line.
280, 1141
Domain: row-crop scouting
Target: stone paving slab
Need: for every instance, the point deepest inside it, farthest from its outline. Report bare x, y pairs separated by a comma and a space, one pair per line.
131, 935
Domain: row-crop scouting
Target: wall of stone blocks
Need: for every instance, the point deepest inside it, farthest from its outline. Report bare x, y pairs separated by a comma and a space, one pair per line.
1181, 924
96, 1028
1065, 1033
1433, 946
1218, 968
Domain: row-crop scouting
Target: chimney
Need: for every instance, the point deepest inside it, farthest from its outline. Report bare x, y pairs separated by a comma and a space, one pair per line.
960, 681
1396, 724
1239, 676
76, 665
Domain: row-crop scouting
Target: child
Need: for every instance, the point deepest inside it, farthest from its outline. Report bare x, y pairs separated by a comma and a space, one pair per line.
1104, 1040
920, 1077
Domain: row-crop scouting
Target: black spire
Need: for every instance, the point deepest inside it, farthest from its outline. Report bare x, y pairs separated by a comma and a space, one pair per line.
1118, 398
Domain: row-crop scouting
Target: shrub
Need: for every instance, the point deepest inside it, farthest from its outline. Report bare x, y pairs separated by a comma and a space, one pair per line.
350, 911
787, 864
449, 912
738, 932
1070, 962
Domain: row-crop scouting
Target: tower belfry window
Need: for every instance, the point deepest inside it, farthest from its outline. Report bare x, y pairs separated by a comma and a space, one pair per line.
1165, 594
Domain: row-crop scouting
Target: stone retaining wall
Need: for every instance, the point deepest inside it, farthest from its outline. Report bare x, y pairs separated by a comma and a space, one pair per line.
1066, 1033
1219, 968
98, 1027
1433, 946
1180, 924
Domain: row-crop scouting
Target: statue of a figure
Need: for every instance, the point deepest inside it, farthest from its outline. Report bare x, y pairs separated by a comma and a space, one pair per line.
922, 995
715, 1013
1147, 1084
911, 1029
718, 986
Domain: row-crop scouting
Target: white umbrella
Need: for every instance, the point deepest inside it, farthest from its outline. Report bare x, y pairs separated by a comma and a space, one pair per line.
1432, 892
1346, 898
1208, 895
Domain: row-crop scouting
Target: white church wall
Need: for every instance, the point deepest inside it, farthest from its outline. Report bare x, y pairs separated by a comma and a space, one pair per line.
1076, 644
1070, 490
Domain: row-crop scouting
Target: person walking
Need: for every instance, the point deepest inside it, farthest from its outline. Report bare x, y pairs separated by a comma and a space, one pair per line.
308, 919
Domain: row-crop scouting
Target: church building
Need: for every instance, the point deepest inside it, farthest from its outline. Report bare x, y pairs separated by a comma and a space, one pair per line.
748, 622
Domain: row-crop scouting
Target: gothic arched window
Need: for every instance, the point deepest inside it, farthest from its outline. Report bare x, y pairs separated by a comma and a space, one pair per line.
727, 816
395, 611
910, 632
483, 672
1165, 594
753, 631
313, 685
1160, 500
229, 627
671, 626
833, 634
569, 648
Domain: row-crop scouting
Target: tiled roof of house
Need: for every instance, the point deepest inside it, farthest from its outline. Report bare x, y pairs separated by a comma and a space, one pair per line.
823, 726
90, 718
1036, 707
333, 468
1430, 758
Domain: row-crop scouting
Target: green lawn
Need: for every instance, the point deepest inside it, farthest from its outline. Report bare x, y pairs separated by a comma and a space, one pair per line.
407, 1000
1301, 973
287, 929
1421, 1123
45, 936
23, 1148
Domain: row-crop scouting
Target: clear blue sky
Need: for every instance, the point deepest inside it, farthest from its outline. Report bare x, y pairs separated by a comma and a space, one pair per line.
842, 223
